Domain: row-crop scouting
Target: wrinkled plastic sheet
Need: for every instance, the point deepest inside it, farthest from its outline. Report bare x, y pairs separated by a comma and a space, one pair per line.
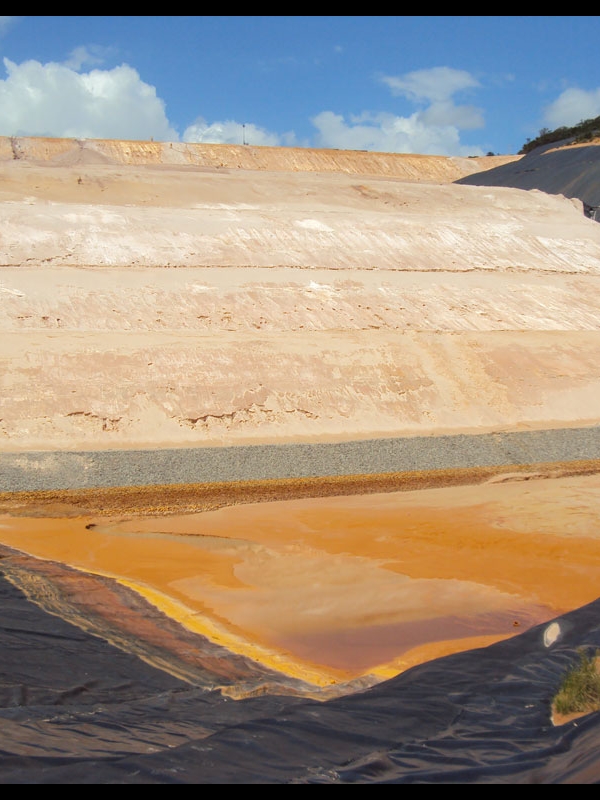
76, 709
572, 171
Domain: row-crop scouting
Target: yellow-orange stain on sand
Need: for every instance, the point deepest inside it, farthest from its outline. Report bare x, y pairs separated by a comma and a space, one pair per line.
331, 589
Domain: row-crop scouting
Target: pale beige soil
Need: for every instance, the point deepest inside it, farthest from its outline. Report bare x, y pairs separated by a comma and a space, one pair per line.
160, 297
153, 303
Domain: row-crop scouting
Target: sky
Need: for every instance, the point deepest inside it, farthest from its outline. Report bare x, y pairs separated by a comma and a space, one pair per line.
445, 85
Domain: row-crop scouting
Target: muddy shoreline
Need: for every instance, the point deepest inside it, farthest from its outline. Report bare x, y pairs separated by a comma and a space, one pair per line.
160, 499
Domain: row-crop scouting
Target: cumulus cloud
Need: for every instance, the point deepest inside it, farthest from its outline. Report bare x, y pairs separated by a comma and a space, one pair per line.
5, 23
57, 100
446, 114
62, 99
435, 85
571, 107
434, 129
387, 133
231, 132
86, 56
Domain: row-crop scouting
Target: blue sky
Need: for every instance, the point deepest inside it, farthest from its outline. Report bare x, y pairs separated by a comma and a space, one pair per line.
459, 85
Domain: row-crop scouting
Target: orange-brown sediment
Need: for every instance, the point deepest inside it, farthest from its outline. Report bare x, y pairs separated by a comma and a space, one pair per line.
335, 579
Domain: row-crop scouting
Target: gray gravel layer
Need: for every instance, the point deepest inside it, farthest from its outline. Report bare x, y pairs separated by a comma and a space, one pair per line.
38, 470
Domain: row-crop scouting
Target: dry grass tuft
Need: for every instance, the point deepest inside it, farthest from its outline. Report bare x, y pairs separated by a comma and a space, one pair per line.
579, 692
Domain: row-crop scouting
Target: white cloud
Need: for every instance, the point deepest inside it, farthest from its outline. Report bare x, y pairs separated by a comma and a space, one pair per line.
434, 85
387, 133
434, 129
231, 132
5, 23
445, 113
56, 100
90, 56
571, 107
59, 99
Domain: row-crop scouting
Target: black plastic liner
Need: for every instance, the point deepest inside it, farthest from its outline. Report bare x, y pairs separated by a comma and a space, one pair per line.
573, 172
76, 709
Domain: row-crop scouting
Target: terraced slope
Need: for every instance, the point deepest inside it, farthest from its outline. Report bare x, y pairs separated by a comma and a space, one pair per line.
153, 298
